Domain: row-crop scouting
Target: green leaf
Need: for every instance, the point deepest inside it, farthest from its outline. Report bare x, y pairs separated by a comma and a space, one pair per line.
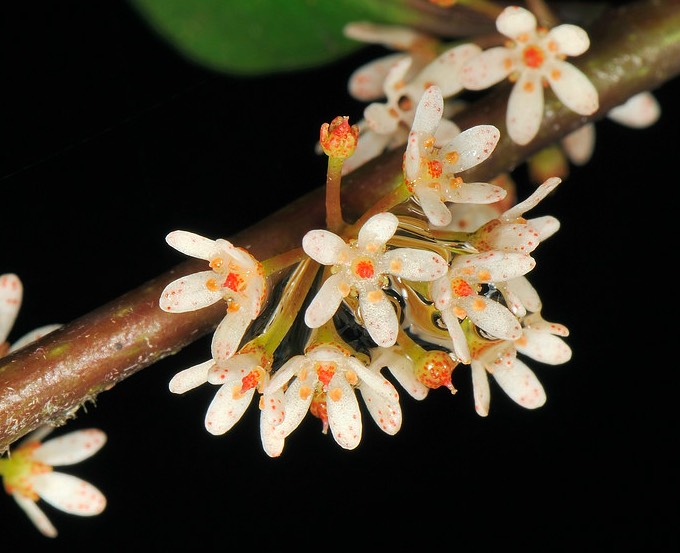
268, 36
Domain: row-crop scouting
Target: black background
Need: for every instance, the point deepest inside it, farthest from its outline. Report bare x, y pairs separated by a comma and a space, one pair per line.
110, 139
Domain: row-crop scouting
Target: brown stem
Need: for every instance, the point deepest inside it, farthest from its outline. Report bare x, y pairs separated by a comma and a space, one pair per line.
635, 48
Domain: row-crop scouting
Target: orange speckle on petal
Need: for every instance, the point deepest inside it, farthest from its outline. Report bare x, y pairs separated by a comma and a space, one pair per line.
374, 296
216, 263
335, 394
305, 391
478, 304
484, 275
211, 284
452, 157
555, 74
351, 377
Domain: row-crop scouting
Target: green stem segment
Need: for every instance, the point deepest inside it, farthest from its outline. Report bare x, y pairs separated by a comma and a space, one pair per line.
635, 48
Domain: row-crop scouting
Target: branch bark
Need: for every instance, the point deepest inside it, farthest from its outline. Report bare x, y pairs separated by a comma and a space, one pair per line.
634, 48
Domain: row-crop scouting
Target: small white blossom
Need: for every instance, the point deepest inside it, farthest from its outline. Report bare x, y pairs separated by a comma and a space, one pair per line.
324, 380
430, 170
28, 475
458, 295
234, 276
533, 57
361, 268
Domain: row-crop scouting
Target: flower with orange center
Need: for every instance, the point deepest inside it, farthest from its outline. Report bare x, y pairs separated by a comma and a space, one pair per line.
28, 475
534, 58
333, 376
362, 267
457, 296
338, 139
235, 277
430, 170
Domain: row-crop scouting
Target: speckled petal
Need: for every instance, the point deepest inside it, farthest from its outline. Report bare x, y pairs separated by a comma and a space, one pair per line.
412, 157
380, 319
326, 302
544, 347
526, 293
232, 370
69, 493
192, 244
525, 108
36, 516
492, 266
366, 84
387, 415
518, 210
492, 317
474, 192
295, 406
11, 293
189, 293
401, 368
545, 226
228, 335
473, 146
227, 408
190, 378
435, 209
480, 388
377, 230
417, 265
344, 416
271, 416
488, 68
374, 380
444, 70
429, 111
572, 87
70, 448
381, 118
324, 246
521, 385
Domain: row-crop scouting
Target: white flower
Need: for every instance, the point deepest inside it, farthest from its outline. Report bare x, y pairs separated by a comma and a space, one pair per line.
638, 112
430, 171
404, 80
235, 276
533, 57
401, 366
361, 267
28, 476
11, 296
324, 380
540, 340
459, 294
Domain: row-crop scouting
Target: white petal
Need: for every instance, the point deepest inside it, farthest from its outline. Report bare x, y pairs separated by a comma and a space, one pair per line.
227, 408
295, 406
473, 146
445, 69
391, 36
369, 146
323, 246
492, 266
469, 217
571, 40
474, 192
417, 265
69, 493
380, 320
387, 415
435, 209
192, 244
228, 334
271, 417
533, 200
36, 515
580, 144
232, 370
638, 112
492, 317
366, 83
401, 368
284, 373
480, 388
521, 385
378, 229
445, 133
514, 21
381, 118
572, 87
11, 293
525, 108
326, 302
33, 335
546, 226
70, 448
373, 380
190, 378
412, 156
429, 111
344, 416
488, 68
544, 347
526, 293
460, 346
189, 293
